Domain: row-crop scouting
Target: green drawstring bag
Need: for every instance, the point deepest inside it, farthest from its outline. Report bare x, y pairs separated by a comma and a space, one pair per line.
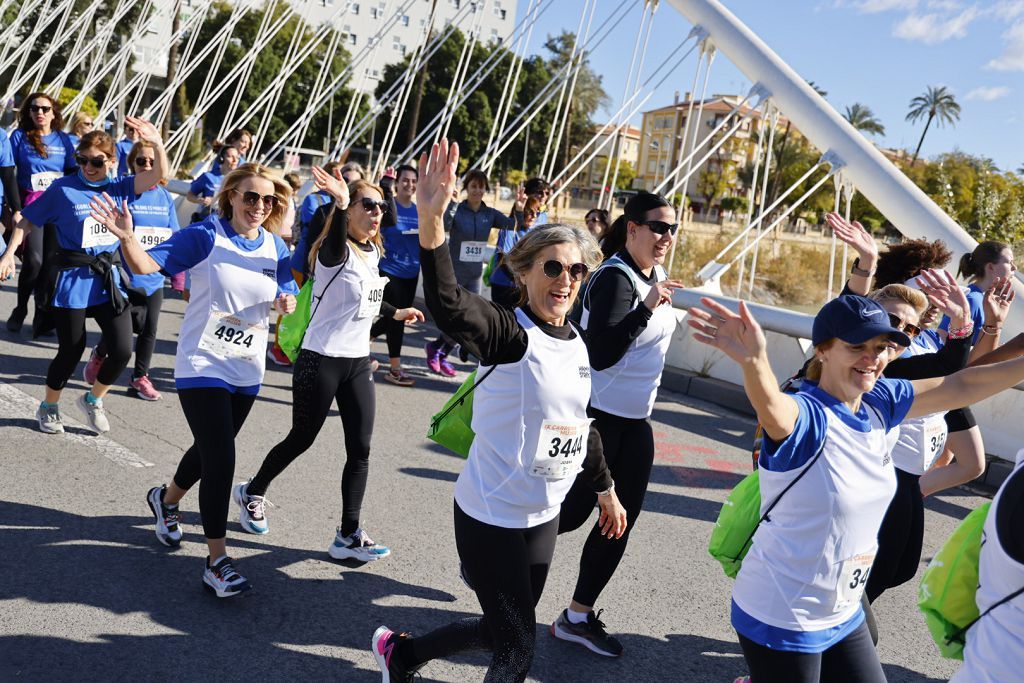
292, 328
737, 521
453, 426
948, 586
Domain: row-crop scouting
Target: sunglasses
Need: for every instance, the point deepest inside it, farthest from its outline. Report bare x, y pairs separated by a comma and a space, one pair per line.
39, 108
906, 328
253, 198
369, 205
95, 162
554, 269
144, 162
661, 227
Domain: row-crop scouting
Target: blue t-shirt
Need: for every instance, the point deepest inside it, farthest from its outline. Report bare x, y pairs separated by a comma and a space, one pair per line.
154, 208
215, 166
507, 239
310, 204
6, 159
60, 156
206, 185
124, 146
402, 244
66, 206
976, 300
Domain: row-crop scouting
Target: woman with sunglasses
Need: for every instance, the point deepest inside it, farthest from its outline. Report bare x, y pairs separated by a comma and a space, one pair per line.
596, 221
43, 152
124, 148
84, 277
333, 365
469, 224
203, 190
628, 318
155, 220
81, 123
533, 435
240, 271
796, 602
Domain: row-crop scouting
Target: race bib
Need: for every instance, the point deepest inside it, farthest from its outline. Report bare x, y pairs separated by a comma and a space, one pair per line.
149, 236
230, 336
95, 234
561, 449
933, 440
42, 180
372, 297
472, 252
853, 577
411, 231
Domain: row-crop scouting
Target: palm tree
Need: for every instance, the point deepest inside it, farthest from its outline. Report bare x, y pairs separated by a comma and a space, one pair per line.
936, 103
863, 119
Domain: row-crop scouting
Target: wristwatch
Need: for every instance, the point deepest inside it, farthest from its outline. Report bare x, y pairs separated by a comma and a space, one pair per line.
857, 270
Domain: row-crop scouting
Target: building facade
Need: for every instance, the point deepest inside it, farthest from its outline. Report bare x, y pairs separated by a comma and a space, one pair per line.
588, 184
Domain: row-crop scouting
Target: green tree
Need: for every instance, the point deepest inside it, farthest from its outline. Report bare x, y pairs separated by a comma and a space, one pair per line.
935, 104
863, 119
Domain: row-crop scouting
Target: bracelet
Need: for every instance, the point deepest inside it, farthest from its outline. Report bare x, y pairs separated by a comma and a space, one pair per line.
994, 331
857, 270
607, 491
961, 332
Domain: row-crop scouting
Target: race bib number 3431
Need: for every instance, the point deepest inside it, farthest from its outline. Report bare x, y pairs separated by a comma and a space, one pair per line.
472, 252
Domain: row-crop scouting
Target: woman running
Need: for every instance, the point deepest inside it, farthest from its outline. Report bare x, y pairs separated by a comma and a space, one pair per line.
532, 434
797, 598
629, 321
239, 272
155, 221
43, 152
203, 190
989, 260
334, 363
84, 280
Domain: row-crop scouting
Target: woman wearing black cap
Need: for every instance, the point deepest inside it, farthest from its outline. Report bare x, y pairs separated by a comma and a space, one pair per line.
826, 470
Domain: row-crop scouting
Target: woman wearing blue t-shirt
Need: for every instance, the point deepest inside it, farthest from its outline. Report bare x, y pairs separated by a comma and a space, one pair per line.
155, 221
988, 261
83, 278
43, 152
8, 184
240, 270
826, 467
203, 189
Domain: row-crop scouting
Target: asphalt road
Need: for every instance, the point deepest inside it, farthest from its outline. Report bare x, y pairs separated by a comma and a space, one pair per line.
87, 593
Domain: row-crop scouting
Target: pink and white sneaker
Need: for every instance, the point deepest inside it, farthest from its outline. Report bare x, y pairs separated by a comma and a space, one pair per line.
144, 389
92, 368
445, 366
384, 644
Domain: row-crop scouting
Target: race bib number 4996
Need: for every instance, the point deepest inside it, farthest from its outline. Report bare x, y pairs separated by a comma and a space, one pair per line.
150, 237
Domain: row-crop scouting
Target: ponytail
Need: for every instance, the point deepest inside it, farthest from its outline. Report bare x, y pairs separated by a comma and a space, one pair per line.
972, 266
614, 240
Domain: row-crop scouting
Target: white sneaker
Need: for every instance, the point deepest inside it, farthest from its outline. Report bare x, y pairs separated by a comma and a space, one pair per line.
95, 416
358, 546
251, 509
167, 530
49, 419
223, 580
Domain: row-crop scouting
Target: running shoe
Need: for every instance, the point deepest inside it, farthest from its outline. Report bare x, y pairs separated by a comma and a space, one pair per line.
49, 419
399, 377
741, 679
590, 634
357, 546
167, 530
16, 320
433, 350
95, 416
223, 580
92, 368
445, 366
252, 509
144, 389
392, 669
278, 357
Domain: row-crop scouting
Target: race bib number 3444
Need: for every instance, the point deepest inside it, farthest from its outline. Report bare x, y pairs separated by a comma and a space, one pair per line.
561, 449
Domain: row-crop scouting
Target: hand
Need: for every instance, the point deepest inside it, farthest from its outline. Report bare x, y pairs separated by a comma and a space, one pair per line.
437, 179
389, 172
117, 220
409, 315
945, 294
613, 516
520, 204
207, 201
146, 130
329, 183
856, 236
661, 293
7, 265
284, 304
998, 298
737, 336
15, 218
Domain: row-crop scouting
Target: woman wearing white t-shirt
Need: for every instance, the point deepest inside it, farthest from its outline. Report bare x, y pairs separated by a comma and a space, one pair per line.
334, 363
797, 598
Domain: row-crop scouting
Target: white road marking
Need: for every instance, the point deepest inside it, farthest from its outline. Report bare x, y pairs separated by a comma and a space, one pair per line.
14, 401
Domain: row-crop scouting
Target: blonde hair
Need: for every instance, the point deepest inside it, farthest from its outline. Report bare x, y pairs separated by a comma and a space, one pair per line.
520, 260
356, 189
282, 190
908, 295
77, 120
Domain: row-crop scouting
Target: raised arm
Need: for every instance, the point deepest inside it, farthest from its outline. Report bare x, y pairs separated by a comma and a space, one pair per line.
996, 306
118, 220
151, 176
861, 241
965, 388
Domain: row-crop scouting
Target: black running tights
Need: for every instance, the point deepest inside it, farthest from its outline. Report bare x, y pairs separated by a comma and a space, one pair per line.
317, 381
507, 568
852, 660
70, 323
629, 451
37, 243
900, 538
145, 342
400, 292
215, 416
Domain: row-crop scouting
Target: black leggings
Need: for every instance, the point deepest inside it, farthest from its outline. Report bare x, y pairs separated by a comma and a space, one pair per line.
400, 292
900, 538
629, 451
852, 660
316, 382
507, 568
145, 342
215, 417
506, 297
70, 323
37, 243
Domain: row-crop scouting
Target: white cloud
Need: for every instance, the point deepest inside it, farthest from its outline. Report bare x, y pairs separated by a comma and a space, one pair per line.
1012, 58
932, 28
876, 6
1008, 10
988, 94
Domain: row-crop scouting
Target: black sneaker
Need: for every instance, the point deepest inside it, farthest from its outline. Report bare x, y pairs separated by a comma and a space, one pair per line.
223, 580
384, 644
590, 634
16, 320
167, 530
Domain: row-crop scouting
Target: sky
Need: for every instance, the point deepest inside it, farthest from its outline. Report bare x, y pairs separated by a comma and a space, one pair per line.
880, 53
